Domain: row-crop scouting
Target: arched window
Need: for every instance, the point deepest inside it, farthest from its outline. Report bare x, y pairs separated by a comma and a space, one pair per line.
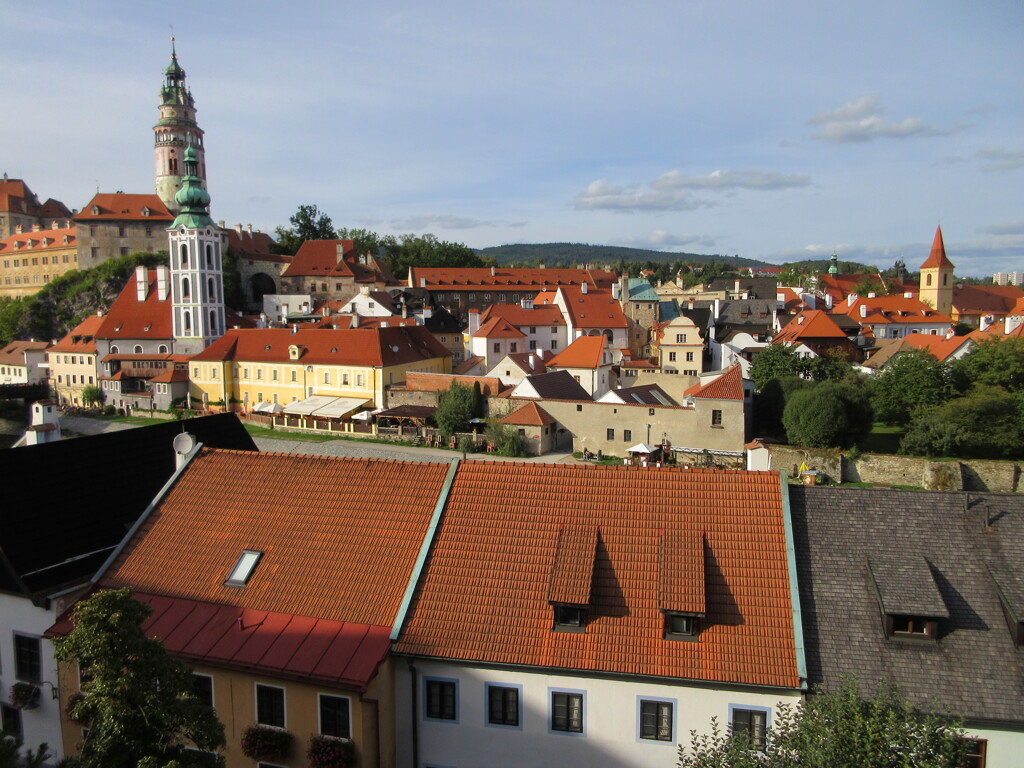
211, 294
928, 280
186, 290
137, 349
113, 349
213, 323
184, 254
162, 349
188, 321
209, 256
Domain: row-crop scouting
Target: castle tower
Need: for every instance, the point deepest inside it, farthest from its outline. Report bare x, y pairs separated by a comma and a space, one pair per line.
833, 265
197, 277
176, 130
937, 277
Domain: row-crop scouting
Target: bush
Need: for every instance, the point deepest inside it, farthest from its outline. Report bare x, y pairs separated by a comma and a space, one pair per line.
330, 752
827, 416
109, 410
506, 440
24, 696
92, 395
986, 424
261, 742
466, 444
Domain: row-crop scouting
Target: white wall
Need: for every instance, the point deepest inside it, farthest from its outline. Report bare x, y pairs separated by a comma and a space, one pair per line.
41, 725
611, 712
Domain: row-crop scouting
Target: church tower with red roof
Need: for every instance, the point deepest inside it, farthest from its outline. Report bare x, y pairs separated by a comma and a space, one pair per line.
176, 130
937, 277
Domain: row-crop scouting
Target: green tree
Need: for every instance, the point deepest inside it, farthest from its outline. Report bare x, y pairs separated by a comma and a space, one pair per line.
139, 702
428, 251
234, 294
999, 362
92, 395
988, 423
827, 415
831, 366
776, 361
914, 379
455, 407
307, 223
838, 729
365, 240
770, 404
506, 440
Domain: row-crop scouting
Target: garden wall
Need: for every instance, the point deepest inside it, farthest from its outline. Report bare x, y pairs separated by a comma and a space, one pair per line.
888, 469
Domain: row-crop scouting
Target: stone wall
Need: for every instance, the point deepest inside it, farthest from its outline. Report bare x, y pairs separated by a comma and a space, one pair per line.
889, 469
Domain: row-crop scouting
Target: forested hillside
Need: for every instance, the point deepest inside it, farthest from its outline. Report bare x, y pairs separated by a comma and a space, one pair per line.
571, 254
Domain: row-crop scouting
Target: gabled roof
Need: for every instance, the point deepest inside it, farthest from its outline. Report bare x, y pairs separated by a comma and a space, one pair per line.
937, 258
505, 278
327, 346
57, 490
949, 553
498, 328
333, 545
892, 310
14, 353
593, 309
120, 206
530, 415
644, 394
128, 318
595, 535
728, 386
539, 357
321, 259
584, 352
938, 347
81, 338
539, 314
40, 240
554, 385
809, 324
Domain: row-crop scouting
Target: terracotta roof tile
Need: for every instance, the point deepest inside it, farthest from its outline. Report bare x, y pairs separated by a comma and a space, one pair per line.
728, 386
439, 382
593, 309
810, 324
681, 569
477, 278
572, 571
584, 352
128, 318
530, 415
495, 550
81, 337
937, 257
335, 546
120, 206
498, 328
515, 314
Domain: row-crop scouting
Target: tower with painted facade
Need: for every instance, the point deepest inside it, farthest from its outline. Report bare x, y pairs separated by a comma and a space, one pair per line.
176, 130
197, 277
937, 277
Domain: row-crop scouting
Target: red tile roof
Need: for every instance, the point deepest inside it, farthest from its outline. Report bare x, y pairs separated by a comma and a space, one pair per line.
938, 347
496, 551
498, 328
728, 386
339, 537
41, 240
119, 206
498, 278
253, 245
515, 314
584, 352
81, 338
594, 309
892, 309
128, 318
319, 258
986, 299
937, 257
16, 197
14, 353
342, 346
530, 415
809, 324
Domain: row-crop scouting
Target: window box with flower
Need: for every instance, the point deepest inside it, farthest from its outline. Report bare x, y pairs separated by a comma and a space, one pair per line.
330, 752
266, 743
24, 696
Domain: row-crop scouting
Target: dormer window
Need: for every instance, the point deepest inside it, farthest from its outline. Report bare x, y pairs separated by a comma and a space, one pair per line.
911, 602
680, 626
572, 574
244, 568
913, 626
145, 211
569, 618
95, 210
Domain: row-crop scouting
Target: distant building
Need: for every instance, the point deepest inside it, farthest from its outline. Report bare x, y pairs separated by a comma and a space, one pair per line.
30, 260
21, 212
117, 224
176, 130
1008, 278
23, 362
73, 363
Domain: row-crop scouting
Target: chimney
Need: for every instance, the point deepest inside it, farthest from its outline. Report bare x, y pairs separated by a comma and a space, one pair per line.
872, 295
423, 282
736, 287
533, 361
950, 333
474, 321
405, 310
718, 308
428, 312
541, 266
163, 280
828, 301
325, 311
248, 228
908, 295
690, 305
493, 271
295, 328
584, 287
141, 283
353, 322
863, 310
616, 291
339, 251
238, 227
364, 290
800, 319
985, 322
526, 303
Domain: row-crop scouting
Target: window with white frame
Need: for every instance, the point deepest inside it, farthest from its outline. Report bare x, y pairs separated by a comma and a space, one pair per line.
270, 705
335, 716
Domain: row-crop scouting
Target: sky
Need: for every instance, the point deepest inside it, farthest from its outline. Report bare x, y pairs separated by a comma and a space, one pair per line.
778, 130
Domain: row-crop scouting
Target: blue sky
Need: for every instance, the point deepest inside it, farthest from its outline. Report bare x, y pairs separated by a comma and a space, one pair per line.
773, 130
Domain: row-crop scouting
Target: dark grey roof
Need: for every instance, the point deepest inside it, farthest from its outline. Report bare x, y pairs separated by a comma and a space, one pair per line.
958, 552
558, 385
441, 321
645, 394
757, 287
67, 504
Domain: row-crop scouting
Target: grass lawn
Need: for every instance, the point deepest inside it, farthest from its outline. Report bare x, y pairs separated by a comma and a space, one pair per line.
299, 437
140, 421
883, 438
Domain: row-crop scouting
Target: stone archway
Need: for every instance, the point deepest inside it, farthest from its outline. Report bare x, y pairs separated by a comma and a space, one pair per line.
259, 285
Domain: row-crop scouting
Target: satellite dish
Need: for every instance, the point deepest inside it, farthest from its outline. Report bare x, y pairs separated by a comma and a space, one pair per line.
184, 443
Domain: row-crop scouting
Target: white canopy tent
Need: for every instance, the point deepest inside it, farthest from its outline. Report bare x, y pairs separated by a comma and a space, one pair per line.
325, 407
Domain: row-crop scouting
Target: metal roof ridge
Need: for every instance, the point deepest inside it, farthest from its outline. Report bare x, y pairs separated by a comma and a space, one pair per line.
794, 587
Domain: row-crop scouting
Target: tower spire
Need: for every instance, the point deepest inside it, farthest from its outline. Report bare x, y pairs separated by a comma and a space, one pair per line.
176, 129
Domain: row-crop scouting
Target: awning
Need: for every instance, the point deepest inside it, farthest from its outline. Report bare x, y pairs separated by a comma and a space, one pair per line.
642, 448
340, 407
307, 406
365, 415
267, 407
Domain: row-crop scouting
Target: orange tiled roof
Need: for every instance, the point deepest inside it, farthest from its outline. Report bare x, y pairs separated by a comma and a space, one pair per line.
809, 324
81, 338
937, 257
892, 309
120, 206
41, 240
584, 352
530, 415
986, 299
342, 346
319, 258
510, 278
128, 318
14, 353
253, 245
498, 328
496, 551
728, 386
938, 347
594, 309
335, 545
519, 317
16, 197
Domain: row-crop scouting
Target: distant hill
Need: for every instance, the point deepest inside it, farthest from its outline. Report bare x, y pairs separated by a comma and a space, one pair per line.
571, 254
820, 266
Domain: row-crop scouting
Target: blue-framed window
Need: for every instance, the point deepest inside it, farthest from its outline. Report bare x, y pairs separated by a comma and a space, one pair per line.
567, 711
752, 721
504, 705
655, 720
441, 699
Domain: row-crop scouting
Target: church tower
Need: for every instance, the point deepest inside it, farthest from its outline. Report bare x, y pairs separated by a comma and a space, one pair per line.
937, 277
197, 277
176, 130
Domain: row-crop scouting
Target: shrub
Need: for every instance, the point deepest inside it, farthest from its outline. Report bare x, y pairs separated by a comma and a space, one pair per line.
330, 752
466, 444
69, 709
109, 410
24, 696
261, 742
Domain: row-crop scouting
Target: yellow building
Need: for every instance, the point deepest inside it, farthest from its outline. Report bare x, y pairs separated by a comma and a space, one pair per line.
31, 259
73, 361
275, 365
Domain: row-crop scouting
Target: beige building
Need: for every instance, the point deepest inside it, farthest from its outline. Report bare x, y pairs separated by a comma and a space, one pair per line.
73, 364
30, 259
21, 211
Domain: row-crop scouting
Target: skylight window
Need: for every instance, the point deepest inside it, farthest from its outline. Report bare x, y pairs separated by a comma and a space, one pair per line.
244, 568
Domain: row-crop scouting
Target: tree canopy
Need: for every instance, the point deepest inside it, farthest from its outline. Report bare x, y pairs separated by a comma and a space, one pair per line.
455, 407
914, 379
139, 706
999, 362
307, 223
827, 415
987, 423
838, 728
775, 361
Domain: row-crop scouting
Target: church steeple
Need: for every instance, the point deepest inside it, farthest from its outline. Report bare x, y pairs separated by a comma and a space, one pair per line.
176, 129
936, 287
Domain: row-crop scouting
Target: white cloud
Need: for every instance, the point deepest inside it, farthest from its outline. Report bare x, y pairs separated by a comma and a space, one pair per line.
660, 240
428, 220
757, 180
1004, 228
864, 120
1000, 159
